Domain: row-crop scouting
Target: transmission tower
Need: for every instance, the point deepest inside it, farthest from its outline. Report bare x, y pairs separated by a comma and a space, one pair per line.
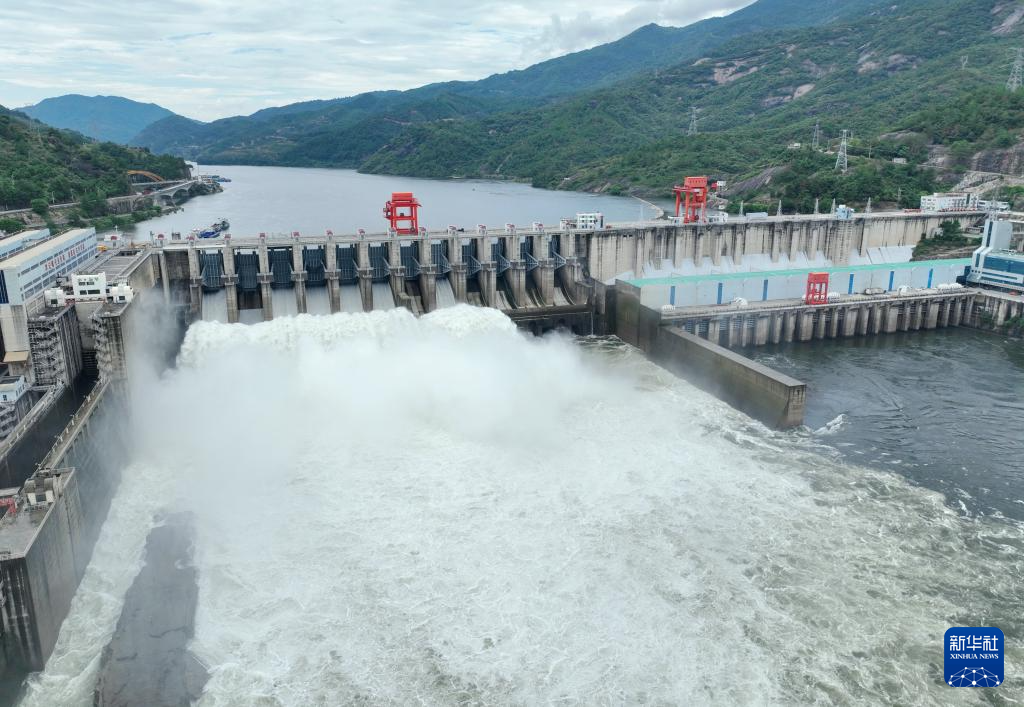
964, 60
817, 135
842, 162
693, 122
1016, 73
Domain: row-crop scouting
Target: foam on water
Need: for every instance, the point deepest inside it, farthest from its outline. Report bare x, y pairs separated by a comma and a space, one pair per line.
442, 511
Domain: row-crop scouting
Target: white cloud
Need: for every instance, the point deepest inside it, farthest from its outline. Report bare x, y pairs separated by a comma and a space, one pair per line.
213, 58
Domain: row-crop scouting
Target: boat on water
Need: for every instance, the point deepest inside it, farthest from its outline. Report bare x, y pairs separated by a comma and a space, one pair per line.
213, 230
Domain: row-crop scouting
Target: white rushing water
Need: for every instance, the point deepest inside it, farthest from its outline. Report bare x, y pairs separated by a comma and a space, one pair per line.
394, 510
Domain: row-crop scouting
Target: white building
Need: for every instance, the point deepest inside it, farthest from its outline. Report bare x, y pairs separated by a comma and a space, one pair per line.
949, 201
17, 242
590, 222
993, 205
24, 276
14, 403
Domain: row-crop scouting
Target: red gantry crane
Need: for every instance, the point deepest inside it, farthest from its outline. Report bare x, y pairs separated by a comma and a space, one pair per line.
692, 198
402, 212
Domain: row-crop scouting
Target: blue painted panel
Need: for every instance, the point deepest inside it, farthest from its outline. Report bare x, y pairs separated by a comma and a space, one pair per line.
719, 293
672, 296
931, 274
850, 290
892, 277
764, 293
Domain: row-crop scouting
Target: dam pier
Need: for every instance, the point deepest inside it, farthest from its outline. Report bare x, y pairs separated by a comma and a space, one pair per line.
548, 276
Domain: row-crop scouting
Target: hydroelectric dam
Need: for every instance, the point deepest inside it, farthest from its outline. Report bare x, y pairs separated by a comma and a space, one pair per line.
540, 275
613, 280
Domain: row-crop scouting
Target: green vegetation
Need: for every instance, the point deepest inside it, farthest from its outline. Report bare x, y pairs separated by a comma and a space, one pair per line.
346, 132
951, 239
40, 166
885, 77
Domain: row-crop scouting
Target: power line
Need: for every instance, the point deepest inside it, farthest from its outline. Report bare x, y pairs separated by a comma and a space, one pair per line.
842, 160
817, 135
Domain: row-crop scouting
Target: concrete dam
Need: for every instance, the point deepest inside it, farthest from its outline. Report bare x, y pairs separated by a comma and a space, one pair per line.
532, 274
541, 278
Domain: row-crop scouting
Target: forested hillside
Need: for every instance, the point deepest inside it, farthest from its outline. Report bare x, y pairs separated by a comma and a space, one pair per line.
345, 132
901, 68
43, 163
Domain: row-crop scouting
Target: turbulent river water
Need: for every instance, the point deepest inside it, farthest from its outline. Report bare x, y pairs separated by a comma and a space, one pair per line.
441, 511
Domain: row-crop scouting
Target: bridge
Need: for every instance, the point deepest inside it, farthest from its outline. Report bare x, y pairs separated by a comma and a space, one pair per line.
548, 274
167, 192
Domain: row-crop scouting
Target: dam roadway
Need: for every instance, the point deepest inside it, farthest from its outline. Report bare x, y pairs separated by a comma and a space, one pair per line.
524, 271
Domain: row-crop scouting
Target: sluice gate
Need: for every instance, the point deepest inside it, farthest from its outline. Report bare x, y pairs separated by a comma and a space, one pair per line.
528, 273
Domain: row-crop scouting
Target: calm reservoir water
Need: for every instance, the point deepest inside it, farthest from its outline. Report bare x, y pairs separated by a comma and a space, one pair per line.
287, 199
392, 510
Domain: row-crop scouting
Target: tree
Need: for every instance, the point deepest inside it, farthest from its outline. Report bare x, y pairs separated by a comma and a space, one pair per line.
951, 229
11, 225
40, 206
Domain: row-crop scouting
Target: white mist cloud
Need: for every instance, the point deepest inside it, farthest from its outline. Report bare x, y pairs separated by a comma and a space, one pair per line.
216, 58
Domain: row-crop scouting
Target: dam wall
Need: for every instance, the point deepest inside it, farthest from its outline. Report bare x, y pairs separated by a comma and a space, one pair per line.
536, 275
766, 395
784, 239
51, 524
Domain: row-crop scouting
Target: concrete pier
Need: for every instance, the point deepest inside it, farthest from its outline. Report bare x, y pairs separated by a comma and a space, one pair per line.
784, 321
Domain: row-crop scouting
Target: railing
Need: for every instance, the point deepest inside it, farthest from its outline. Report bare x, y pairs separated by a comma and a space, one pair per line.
775, 305
28, 422
69, 433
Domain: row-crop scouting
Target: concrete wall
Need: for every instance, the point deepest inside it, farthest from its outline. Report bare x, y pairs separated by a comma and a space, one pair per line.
774, 399
95, 444
771, 397
43, 582
611, 253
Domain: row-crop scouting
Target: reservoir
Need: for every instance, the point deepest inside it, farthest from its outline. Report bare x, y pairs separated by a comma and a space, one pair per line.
308, 200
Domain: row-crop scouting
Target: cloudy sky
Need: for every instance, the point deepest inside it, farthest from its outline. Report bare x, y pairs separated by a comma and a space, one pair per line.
212, 58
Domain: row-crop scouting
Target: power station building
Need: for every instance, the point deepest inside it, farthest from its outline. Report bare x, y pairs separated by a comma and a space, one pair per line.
31, 268
994, 264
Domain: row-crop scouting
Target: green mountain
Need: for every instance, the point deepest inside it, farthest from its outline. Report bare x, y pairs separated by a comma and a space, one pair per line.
40, 162
897, 67
109, 118
345, 132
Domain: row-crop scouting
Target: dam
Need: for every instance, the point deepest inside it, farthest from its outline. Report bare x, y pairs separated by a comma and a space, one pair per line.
556, 273
589, 281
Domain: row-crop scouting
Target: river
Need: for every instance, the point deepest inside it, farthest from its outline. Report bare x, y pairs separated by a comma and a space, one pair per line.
394, 510
942, 408
287, 199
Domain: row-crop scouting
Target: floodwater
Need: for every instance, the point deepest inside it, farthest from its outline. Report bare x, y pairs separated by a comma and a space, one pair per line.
307, 200
442, 511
